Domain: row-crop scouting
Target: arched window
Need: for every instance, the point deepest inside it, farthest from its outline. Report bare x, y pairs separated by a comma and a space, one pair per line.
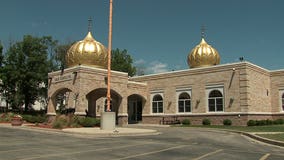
215, 101
184, 103
157, 104
283, 102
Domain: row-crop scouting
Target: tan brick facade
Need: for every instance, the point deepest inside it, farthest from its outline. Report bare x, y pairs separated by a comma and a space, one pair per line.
249, 92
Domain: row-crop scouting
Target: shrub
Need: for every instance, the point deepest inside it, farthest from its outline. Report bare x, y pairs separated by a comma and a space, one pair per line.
260, 122
206, 121
227, 122
186, 122
34, 119
6, 117
278, 121
251, 123
57, 124
89, 122
264, 122
73, 121
269, 122
60, 122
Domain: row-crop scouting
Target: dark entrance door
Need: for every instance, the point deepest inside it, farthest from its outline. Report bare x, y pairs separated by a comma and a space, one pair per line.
134, 111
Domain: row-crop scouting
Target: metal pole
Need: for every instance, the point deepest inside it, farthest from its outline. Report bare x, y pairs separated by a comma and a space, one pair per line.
109, 56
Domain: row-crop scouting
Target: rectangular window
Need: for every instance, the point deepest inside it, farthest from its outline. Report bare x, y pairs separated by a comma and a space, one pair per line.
160, 105
180, 106
154, 108
211, 105
219, 104
187, 106
282, 104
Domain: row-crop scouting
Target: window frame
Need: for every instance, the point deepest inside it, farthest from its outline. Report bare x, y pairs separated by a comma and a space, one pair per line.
184, 102
208, 91
158, 103
281, 100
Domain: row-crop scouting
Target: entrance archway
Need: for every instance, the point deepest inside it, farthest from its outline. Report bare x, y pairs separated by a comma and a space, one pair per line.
135, 107
97, 102
64, 101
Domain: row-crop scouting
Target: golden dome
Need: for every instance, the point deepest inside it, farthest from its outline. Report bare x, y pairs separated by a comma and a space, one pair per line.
203, 55
87, 52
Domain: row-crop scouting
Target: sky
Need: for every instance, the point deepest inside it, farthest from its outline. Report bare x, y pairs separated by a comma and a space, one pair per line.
158, 34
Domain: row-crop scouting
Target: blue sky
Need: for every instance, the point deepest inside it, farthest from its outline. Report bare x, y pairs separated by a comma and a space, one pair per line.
158, 34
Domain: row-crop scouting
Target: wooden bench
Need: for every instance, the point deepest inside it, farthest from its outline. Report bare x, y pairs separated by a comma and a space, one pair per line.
170, 120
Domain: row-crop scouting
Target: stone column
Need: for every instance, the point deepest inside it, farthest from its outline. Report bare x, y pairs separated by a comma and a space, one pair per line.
81, 105
122, 112
51, 107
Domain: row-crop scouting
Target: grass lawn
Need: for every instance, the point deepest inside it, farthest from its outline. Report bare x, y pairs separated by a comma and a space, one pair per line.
278, 137
270, 128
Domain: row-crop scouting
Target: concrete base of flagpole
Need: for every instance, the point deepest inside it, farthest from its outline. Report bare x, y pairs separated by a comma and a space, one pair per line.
108, 121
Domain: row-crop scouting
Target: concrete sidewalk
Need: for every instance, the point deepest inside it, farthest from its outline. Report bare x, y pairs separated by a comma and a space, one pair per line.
92, 131
119, 131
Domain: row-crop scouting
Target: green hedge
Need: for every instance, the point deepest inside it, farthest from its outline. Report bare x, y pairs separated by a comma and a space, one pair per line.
63, 121
34, 119
206, 121
227, 122
89, 122
60, 123
265, 122
185, 122
6, 117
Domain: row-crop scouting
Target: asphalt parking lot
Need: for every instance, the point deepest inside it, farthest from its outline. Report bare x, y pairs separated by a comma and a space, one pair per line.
171, 144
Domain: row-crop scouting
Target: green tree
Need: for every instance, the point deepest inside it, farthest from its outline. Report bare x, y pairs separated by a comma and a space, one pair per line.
60, 52
122, 61
24, 73
1, 54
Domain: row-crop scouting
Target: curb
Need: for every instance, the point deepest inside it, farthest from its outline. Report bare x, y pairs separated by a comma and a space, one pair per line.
250, 135
262, 139
114, 134
255, 137
62, 131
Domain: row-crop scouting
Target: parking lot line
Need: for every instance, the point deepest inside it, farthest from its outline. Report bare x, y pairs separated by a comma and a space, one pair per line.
265, 156
148, 153
208, 154
80, 152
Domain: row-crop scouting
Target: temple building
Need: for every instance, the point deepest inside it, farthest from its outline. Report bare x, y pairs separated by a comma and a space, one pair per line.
237, 91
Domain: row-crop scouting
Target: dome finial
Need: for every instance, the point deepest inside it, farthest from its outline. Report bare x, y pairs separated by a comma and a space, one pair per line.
202, 31
90, 24
87, 52
203, 54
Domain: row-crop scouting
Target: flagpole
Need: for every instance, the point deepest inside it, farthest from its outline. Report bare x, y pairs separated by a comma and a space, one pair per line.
109, 56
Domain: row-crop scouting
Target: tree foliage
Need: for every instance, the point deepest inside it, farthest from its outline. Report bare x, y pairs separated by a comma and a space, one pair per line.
1, 55
60, 52
122, 61
25, 68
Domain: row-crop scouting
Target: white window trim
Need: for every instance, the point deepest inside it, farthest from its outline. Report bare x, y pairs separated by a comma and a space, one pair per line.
281, 92
208, 90
180, 91
151, 97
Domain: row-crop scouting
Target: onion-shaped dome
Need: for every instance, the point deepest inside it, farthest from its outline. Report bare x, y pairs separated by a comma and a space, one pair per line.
203, 55
87, 52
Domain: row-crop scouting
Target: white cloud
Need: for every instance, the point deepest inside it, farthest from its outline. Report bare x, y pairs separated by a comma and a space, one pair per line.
157, 67
152, 67
140, 62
